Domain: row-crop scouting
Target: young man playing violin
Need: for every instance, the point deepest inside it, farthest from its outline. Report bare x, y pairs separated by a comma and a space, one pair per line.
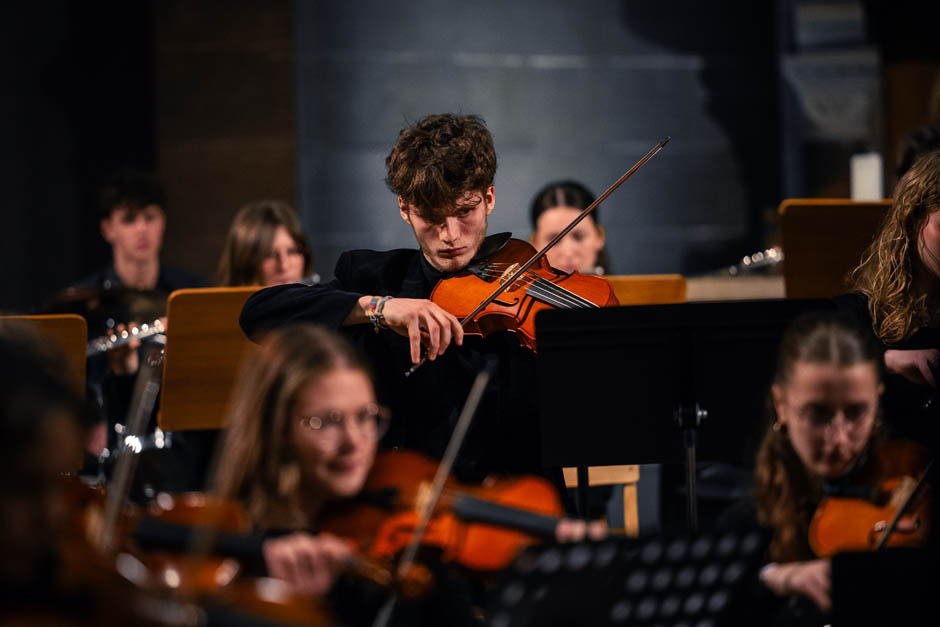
442, 171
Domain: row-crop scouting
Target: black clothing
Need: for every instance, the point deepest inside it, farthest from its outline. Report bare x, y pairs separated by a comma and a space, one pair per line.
426, 405
890, 586
181, 466
108, 301
910, 411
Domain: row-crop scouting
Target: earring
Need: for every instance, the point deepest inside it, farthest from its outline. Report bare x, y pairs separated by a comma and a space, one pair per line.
779, 427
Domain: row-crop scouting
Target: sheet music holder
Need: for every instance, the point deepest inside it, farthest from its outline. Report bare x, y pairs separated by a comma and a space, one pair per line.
706, 580
628, 370
204, 351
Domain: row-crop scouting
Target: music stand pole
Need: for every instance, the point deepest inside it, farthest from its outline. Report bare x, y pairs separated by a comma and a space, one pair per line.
689, 419
581, 494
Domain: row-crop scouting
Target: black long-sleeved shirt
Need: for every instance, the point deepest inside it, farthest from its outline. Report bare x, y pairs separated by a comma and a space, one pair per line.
426, 405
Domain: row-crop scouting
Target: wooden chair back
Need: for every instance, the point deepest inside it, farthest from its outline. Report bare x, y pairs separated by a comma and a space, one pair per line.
69, 332
648, 289
823, 240
204, 351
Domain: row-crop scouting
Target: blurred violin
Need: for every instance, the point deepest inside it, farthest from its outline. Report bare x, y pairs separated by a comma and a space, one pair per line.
893, 511
503, 288
167, 583
481, 528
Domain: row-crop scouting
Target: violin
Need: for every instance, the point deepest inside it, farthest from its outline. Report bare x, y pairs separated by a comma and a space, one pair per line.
481, 528
166, 586
540, 287
504, 288
894, 511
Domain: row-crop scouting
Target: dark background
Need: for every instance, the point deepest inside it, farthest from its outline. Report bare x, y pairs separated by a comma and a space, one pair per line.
239, 100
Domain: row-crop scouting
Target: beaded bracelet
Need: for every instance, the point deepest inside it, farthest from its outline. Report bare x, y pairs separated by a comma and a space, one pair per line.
376, 305
379, 316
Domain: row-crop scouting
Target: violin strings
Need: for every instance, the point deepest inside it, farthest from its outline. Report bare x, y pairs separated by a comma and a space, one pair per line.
557, 295
544, 290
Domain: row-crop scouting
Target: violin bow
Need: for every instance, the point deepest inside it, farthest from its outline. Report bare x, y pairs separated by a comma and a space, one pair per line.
437, 486
892, 525
535, 258
146, 388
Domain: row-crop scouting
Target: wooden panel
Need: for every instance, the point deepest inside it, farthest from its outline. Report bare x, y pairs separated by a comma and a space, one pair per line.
70, 334
648, 289
823, 240
204, 351
224, 117
709, 288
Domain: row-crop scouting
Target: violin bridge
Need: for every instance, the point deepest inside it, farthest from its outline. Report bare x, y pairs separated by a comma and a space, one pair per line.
508, 272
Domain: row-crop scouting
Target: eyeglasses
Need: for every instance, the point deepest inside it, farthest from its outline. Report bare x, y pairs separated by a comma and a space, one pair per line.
371, 420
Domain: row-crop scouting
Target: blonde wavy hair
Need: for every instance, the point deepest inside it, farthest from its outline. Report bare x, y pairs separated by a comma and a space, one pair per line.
785, 492
258, 466
887, 271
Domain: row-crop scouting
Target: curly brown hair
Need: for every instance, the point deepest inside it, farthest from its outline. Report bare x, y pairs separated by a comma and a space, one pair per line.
786, 493
888, 269
438, 160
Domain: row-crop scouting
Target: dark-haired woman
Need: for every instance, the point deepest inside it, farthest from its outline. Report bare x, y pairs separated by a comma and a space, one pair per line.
553, 208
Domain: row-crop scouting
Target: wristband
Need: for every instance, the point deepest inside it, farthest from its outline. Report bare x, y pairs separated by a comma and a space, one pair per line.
374, 312
379, 316
370, 313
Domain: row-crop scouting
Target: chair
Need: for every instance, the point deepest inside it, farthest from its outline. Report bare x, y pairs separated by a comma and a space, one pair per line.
823, 240
648, 289
204, 351
70, 333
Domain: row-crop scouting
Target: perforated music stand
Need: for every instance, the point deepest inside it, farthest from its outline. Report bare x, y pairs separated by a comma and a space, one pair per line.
661, 581
204, 351
628, 373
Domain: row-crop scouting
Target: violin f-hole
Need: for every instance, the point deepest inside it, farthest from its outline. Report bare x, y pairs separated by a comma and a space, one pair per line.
505, 304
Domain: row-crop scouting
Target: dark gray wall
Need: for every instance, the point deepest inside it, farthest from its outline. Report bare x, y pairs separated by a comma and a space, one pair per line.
569, 89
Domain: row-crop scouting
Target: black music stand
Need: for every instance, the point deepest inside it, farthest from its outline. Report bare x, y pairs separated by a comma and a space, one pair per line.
661, 581
658, 383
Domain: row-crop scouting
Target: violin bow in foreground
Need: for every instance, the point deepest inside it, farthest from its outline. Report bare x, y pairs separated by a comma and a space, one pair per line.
437, 486
504, 285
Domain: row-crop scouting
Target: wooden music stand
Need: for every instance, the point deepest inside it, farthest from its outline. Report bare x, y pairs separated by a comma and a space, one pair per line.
204, 351
823, 240
69, 332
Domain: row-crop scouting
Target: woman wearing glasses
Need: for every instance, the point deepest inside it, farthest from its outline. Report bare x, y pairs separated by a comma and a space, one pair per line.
304, 433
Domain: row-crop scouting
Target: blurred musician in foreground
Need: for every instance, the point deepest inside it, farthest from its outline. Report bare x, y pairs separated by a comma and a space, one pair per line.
303, 434
897, 294
822, 439
582, 250
442, 171
265, 246
42, 427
